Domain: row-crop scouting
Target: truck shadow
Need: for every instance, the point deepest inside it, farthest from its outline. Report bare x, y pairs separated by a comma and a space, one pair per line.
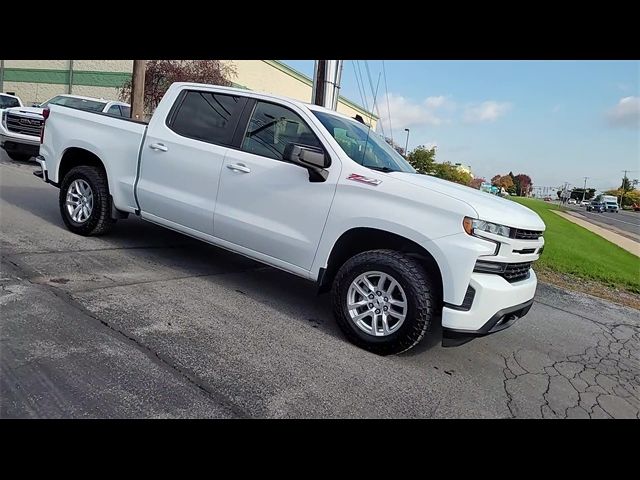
145, 243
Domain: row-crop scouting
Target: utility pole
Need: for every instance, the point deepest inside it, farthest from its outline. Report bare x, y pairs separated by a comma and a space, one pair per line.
326, 83
318, 82
584, 190
137, 90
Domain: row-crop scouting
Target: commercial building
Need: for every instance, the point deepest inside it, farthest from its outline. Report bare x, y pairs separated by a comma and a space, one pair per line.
39, 80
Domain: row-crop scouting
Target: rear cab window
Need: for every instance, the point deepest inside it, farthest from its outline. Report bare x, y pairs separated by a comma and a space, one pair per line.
206, 116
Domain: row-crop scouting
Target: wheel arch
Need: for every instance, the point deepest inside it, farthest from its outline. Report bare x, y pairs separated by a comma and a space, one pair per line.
77, 156
361, 239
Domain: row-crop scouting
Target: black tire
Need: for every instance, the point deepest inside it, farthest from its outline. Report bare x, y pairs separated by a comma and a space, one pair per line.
100, 221
419, 290
19, 157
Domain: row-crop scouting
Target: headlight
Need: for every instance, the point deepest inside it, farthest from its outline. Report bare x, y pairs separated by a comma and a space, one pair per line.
473, 225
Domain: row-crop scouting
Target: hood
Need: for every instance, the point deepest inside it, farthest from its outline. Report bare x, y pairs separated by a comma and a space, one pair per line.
30, 111
489, 207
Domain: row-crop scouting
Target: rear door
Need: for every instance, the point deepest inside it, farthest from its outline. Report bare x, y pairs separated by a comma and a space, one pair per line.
182, 158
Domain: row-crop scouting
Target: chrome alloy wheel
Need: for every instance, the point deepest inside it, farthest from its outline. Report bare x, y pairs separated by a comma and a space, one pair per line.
79, 201
377, 303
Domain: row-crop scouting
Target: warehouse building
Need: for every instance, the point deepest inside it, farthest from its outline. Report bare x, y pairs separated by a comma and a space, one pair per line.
35, 81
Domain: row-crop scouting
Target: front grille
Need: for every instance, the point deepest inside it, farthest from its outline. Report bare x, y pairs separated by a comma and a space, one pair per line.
511, 272
24, 125
525, 251
521, 234
514, 272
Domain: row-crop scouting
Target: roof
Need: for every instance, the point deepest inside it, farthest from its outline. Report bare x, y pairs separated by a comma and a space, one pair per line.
265, 95
93, 99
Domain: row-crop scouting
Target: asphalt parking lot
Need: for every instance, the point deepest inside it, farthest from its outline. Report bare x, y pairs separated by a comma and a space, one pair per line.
146, 322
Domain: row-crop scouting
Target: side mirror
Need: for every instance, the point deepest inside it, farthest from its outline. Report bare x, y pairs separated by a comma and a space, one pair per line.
311, 158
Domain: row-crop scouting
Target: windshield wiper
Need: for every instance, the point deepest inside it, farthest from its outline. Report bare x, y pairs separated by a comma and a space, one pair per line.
382, 169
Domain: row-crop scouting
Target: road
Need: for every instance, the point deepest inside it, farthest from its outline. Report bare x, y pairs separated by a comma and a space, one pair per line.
146, 323
623, 222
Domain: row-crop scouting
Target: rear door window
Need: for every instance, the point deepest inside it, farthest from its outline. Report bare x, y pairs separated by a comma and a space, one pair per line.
207, 116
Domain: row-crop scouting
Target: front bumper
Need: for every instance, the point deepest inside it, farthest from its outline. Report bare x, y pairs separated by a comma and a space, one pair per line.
13, 146
497, 304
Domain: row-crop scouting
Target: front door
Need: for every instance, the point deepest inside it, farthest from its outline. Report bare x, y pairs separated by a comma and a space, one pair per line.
267, 204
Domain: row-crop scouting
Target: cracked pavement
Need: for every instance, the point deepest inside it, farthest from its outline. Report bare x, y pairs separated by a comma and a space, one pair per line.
147, 323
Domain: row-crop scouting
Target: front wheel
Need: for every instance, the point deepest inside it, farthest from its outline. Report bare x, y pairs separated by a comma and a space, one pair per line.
84, 201
383, 301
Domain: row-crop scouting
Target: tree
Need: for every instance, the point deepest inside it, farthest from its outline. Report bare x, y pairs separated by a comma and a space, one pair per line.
626, 198
507, 183
495, 179
476, 182
423, 159
395, 146
576, 193
627, 186
160, 74
448, 171
523, 184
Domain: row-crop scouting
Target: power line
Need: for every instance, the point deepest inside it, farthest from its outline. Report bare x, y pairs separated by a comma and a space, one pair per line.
363, 87
384, 71
374, 107
364, 102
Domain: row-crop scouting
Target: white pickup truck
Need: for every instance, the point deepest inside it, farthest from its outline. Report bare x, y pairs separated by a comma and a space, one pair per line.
20, 126
309, 191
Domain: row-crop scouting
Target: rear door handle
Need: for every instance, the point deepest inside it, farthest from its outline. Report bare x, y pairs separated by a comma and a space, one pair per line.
239, 167
158, 146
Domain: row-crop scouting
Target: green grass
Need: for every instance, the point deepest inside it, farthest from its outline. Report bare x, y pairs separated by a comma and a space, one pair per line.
574, 250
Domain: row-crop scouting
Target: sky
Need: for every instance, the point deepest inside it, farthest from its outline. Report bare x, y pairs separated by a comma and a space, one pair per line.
557, 121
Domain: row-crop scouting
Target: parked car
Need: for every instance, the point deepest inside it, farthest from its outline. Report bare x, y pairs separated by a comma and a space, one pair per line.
572, 201
309, 191
596, 206
547, 199
20, 126
584, 203
9, 101
636, 207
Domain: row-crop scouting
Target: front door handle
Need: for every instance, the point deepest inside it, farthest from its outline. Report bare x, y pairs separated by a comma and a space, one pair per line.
239, 167
158, 146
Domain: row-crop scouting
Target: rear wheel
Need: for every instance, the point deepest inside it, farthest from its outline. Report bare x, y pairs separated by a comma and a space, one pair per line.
85, 204
383, 301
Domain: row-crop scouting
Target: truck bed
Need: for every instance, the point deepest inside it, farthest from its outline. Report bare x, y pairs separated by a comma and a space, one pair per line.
115, 140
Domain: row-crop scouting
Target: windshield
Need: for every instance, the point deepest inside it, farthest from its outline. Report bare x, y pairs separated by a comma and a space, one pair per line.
8, 102
363, 145
73, 102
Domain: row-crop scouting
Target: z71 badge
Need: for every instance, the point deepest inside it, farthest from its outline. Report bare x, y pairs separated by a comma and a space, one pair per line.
362, 179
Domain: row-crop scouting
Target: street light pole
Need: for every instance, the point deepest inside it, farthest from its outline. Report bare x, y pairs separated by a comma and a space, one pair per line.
584, 190
406, 145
